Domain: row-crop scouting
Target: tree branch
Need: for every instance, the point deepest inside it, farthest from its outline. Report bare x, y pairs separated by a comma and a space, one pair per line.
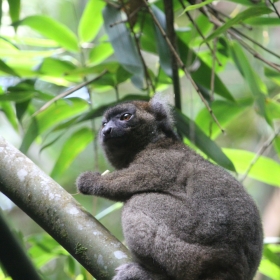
68, 92
59, 214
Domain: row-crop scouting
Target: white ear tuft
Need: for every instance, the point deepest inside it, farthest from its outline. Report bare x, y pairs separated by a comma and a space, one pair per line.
163, 101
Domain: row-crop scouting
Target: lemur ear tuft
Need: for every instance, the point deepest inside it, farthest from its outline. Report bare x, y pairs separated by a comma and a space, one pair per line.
161, 106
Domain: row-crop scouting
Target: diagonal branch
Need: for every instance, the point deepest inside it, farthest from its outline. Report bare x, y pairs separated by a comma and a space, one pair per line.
59, 214
68, 92
260, 152
199, 32
246, 46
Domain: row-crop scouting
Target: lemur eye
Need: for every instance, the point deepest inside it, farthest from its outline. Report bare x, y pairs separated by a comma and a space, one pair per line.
104, 124
125, 117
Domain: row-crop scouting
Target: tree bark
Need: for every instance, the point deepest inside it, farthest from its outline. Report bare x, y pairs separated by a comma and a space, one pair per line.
55, 210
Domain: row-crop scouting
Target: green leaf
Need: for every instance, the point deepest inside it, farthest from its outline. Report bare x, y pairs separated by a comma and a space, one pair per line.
59, 111
272, 108
188, 36
56, 67
265, 169
44, 249
251, 12
188, 128
122, 42
202, 76
122, 75
162, 46
1, 12
100, 52
224, 111
91, 20
269, 269
272, 74
147, 32
17, 97
263, 21
14, 9
51, 29
8, 110
257, 86
270, 255
247, 3
74, 145
107, 211
7, 69
21, 108
197, 6
36, 42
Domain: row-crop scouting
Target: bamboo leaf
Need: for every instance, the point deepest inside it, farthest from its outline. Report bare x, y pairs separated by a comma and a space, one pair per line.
123, 44
55, 67
162, 47
188, 128
14, 9
51, 29
17, 97
100, 52
270, 269
224, 111
91, 20
74, 145
202, 76
257, 86
8, 110
61, 110
197, 6
272, 108
107, 211
265, 169
263, 21
250, 12
7, 69
248, 3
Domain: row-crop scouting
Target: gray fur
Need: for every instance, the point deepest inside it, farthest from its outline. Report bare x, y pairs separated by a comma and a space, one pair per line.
183, 217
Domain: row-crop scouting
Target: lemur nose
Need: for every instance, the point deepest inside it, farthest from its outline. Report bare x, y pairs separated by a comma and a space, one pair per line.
107, 130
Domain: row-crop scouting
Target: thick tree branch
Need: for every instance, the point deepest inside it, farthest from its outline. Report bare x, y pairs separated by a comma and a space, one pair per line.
59, 214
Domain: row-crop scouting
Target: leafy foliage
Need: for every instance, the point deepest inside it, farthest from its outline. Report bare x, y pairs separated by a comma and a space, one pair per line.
134, 54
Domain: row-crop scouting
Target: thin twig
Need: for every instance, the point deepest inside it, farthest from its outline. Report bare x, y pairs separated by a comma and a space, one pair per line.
199, 32
182, 65
128, 16
259, 153
113, 4
67, 92
213, 70
255, 42
214, 12
245, 45
274, 7
225, 15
